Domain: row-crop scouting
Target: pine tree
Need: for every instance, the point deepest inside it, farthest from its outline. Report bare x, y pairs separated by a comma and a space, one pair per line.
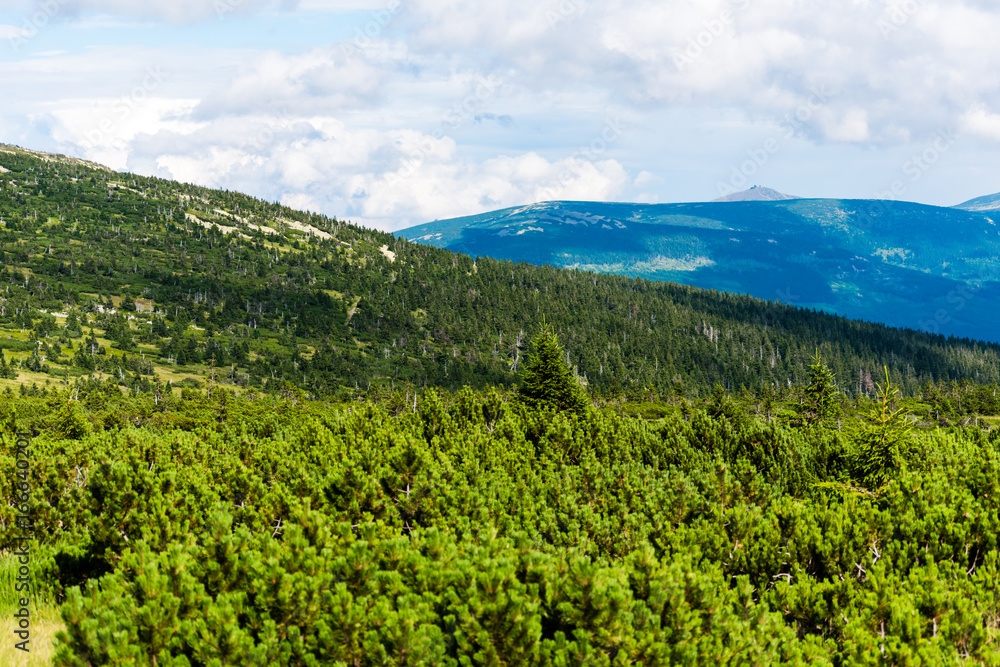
71, 423
546, 381
820, 402
882, 446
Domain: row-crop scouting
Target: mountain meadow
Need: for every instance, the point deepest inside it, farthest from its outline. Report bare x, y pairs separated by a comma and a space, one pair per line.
238, 434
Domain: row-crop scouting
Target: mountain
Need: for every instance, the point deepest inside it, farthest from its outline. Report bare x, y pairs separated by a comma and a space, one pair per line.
756, 193
158, 286
900, 263
987, 203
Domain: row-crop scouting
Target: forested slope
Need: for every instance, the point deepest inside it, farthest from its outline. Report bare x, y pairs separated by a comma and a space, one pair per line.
156, 283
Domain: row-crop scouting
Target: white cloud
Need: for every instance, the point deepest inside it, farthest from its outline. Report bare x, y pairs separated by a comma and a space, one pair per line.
646, 179
170, 11
386, 179
10, 32
851, 126
318, 80
761, 56
104, 129
300, 202
338, 6
981, 122
338, 125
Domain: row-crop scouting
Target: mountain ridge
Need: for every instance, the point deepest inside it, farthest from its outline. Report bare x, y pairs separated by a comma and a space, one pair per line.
901, 263
984, 203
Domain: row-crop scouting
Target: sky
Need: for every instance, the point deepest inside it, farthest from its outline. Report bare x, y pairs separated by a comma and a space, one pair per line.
392, 113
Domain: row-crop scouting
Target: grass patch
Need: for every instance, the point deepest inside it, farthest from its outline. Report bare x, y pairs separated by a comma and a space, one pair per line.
28, 378
166, 373
46, 621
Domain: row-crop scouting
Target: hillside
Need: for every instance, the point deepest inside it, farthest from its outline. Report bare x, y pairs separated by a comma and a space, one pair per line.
899, 263
159, 284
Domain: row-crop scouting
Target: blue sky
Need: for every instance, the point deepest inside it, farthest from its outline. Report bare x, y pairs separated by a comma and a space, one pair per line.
396, 112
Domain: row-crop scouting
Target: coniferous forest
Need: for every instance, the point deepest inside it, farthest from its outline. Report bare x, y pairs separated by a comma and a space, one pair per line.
251, 436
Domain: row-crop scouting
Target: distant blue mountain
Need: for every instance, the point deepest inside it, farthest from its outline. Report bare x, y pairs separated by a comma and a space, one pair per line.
900, 263
756, 193
987, 203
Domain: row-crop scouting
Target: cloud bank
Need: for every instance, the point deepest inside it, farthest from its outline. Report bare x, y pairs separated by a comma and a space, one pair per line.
422, 109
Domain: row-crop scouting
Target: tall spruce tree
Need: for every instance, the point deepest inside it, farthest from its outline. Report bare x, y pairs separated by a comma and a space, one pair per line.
884, 444
546, 381
820, 402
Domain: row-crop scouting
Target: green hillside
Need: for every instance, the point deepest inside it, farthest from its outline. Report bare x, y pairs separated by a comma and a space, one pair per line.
162, 285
